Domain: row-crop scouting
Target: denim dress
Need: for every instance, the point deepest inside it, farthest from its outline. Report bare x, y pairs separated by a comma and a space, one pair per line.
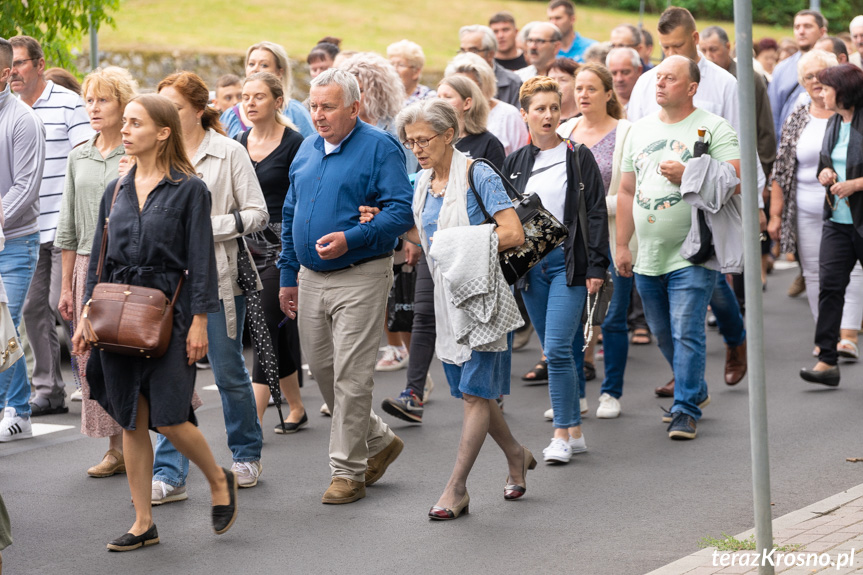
152, 247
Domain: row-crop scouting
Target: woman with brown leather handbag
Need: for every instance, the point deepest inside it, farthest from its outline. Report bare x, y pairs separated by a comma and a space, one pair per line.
159, 232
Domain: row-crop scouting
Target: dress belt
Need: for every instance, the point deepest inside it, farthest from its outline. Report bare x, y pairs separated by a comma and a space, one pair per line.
363, 261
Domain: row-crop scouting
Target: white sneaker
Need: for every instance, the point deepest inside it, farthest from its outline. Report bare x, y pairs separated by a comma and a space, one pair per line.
394, 359
429, 386
558, 451
549, 414
14, 427
76, 396
582, 404
609, 407
577, 446
326, 410
167, 493
247, 472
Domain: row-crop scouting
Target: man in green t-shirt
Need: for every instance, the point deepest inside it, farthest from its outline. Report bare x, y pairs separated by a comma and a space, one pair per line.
674, 291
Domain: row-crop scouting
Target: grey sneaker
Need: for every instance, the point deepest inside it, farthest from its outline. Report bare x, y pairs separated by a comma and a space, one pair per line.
167, 493
247, 472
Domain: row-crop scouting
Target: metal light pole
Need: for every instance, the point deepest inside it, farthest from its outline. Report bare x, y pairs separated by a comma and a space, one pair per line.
94, 44
815, 5
752, 279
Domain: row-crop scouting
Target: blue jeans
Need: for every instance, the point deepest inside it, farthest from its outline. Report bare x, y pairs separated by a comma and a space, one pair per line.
674, 305
615, 335
238, 400
729, 320
555, 310
17, 266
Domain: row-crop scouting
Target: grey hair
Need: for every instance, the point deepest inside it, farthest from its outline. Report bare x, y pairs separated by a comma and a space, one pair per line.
716, 31
489, 41
827, 59
440, 115
856, 23
633, 31
346, 81
630, 52
478, 69
556, 36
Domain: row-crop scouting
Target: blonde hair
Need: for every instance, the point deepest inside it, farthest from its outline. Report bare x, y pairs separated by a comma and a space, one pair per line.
410, 51
613, 107
536, 85
479, 71
113, 82
282, 64
475, 118
381, 99
172, 152
274, 85
826, 59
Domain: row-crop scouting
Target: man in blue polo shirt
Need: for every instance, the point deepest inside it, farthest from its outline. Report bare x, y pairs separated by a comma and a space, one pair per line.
336, 273
561, 13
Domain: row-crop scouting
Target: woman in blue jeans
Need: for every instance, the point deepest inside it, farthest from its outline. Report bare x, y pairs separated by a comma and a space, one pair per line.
238, 208
557, 287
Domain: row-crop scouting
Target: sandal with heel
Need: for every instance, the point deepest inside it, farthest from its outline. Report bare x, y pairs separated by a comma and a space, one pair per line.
513, 491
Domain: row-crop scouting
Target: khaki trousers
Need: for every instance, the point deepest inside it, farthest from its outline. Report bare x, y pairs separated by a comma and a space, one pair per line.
341, 318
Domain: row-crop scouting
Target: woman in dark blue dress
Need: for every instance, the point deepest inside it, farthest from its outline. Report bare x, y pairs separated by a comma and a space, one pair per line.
159, 229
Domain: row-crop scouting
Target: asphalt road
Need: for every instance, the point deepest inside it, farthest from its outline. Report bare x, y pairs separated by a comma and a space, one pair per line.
634, 502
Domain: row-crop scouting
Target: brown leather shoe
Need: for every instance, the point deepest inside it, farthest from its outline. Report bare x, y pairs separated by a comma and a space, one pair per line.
343, 490
377, 465
735, 364
666, 390
111, 464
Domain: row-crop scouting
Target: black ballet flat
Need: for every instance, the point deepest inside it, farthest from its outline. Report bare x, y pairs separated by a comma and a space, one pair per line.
225, 515
128, 542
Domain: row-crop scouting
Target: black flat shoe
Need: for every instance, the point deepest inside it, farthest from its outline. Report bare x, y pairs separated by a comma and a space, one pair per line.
225, 515
828, 377
128, 542
291, 427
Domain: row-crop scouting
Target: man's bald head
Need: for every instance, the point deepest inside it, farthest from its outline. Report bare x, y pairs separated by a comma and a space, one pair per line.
682, 64
677, 79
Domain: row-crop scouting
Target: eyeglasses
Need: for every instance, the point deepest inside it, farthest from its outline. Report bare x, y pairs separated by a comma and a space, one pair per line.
472, 50
424, 143
809, 77
19, 63
633, 46
540, 41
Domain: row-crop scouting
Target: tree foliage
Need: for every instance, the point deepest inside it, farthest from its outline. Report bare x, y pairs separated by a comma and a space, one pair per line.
59, 25
777, 12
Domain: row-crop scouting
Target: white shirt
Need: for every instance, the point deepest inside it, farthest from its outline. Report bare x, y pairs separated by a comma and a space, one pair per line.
810, 193
505, 122
66, 125
548, 179
526, 73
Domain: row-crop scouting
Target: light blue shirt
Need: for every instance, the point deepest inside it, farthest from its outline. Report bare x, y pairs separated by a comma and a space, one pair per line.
576, 51
839, 155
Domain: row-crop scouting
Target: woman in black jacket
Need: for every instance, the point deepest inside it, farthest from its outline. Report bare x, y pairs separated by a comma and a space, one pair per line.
840, 170
556, 288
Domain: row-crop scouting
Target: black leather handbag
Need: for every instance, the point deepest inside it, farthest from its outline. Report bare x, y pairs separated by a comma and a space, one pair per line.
542, 231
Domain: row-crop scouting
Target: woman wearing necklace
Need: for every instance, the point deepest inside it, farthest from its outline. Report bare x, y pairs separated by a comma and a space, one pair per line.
159, 231
557, 287
443, 201
272, 144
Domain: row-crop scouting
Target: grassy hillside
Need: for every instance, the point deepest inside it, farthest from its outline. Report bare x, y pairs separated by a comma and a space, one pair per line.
231, 26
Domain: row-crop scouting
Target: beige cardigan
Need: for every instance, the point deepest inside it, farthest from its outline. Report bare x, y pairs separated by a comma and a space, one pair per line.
225, 167
620, 137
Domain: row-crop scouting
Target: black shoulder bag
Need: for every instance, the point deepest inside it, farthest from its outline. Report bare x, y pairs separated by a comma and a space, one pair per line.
542, 231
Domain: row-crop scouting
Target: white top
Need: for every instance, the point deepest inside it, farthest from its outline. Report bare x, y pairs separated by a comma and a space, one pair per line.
548, 179
810, 193
526, 73
66, 126
717, 94
505, 122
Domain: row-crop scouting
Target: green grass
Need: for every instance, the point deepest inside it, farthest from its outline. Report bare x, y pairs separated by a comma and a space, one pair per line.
731, 544
230, 26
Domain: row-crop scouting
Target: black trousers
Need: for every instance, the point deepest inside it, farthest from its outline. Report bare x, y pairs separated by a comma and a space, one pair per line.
423, 331
841, 249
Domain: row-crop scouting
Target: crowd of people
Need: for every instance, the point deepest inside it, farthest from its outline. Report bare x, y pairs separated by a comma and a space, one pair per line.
320, 203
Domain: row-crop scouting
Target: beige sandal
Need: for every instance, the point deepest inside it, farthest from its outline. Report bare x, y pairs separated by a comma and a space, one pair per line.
107, 467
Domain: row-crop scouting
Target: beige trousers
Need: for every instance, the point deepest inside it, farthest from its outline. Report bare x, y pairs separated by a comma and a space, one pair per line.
341, 316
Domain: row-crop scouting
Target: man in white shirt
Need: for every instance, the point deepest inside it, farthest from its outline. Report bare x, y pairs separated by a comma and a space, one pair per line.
625, 67
856, 29
543, 43
66, 126
717, 94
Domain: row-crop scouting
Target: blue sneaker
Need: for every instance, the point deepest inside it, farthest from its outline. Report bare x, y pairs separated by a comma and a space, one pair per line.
682, 426
406, 406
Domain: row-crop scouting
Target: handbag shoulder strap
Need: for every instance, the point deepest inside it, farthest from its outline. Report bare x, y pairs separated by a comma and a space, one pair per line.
104, 247
472, 186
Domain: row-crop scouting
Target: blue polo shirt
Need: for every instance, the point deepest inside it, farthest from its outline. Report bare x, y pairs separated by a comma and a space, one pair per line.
576, 51
366, 169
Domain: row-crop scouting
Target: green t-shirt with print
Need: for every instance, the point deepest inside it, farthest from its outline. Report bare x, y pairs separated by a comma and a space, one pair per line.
662, 218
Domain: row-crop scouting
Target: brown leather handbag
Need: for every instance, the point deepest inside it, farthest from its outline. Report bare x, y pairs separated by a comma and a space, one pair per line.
128, 319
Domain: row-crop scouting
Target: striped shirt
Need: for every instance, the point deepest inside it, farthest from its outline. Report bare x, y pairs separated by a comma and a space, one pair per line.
66, 125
